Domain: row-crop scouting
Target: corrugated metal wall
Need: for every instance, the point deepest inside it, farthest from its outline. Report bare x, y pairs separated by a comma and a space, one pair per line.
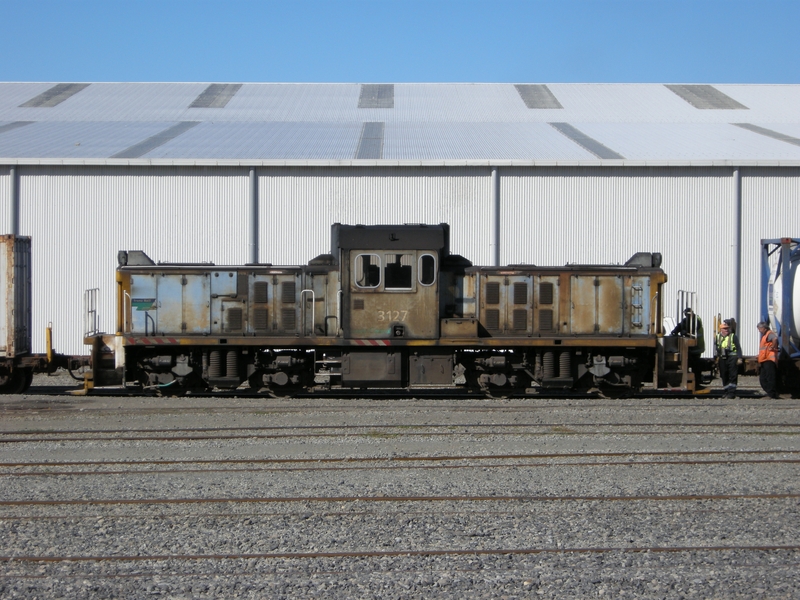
770, 209
79, 217
555, 216
298, 206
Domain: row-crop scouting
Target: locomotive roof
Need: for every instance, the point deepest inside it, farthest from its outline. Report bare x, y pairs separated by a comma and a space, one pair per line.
400, 237
324, 124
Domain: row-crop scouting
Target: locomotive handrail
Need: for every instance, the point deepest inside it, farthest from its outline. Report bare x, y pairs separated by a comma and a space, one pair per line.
658, 328
686, 300
127, 309
90, 319
313, 308
339, 295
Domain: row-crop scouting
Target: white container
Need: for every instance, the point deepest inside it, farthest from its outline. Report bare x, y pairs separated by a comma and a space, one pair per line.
787, 319
15, 288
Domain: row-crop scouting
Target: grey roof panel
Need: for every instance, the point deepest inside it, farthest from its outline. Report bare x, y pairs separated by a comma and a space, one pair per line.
144, 102
55, 95
537, 96
154, 141
264, 141
370, 144
693, 142
376, 95
769, 133
479, 141
14, 94
14, 125
587, 142
74, 140
216, 95
706, 97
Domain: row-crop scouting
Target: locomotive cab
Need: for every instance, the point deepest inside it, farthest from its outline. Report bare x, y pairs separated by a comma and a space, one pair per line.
390, 280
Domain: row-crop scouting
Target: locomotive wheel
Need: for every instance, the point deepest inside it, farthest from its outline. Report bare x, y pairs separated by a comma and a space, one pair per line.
28, 380
183, 386
256, 381
17, 382
286, 391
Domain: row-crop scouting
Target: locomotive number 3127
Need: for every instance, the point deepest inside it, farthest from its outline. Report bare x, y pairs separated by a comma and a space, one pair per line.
392, 315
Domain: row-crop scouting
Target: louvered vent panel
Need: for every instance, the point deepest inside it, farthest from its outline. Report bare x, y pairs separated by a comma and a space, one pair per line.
493, 319
241, 285
545, 320
288, 319
520, 319
546, 293
288, 291
358, 304
493, 292
260, 321
260, 291
520, 293
234, 319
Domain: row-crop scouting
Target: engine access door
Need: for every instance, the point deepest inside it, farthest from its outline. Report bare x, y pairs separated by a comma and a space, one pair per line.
598, 304
393, 294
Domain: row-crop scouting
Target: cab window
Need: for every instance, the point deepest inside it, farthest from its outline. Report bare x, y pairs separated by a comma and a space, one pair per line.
398, 273
427, 269
367, 271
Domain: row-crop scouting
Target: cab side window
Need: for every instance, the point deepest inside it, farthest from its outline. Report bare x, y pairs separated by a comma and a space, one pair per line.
367, 271
398, 271
427, 269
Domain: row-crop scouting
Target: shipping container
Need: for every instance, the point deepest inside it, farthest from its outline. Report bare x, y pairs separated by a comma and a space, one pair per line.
15, 287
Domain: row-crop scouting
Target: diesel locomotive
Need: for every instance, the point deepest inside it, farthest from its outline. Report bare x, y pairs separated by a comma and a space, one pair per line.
390, 308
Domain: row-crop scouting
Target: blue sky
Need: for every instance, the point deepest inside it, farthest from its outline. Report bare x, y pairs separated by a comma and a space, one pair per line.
547, 41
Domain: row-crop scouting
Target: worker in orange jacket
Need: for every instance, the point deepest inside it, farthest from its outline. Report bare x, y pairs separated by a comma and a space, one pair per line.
768, 349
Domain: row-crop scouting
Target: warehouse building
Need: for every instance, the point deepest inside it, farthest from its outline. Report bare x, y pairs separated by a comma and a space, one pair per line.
527, 173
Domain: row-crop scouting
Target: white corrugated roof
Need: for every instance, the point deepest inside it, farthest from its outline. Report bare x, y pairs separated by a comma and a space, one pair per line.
269, 123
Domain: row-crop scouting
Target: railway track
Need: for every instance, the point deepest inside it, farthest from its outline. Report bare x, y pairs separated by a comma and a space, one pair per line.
406, 430
399, 553
398, 499
197, 498
379, 394
100, 468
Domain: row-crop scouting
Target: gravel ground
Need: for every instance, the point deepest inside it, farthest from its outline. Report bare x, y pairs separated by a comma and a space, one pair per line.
588, 506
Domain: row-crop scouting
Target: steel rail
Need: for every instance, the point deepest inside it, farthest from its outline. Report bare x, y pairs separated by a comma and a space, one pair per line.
393, 553
402, 427
402, 467
548, 431
377, 405
399, 499
438, 458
